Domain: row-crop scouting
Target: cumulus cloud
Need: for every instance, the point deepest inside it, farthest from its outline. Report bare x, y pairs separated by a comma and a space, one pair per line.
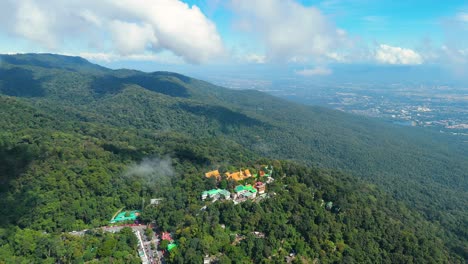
34, 23
131, 38
318, 70
122, 26
180, 28
289, 30
397, 55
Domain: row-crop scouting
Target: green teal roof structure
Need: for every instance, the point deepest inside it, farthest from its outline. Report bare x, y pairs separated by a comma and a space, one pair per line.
216, 191
171, 246
250, 188
121, 217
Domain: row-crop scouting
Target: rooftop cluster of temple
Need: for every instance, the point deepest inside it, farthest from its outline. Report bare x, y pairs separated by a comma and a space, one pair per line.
236, 176
264, 171
241, 193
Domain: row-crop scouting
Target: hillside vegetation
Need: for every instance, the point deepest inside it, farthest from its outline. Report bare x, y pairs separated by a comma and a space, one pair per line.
69, 129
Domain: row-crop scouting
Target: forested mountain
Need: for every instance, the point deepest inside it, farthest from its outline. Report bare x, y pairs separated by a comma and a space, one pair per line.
69, 129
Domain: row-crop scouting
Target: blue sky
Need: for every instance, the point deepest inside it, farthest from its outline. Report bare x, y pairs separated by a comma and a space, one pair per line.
396, 22
307, 37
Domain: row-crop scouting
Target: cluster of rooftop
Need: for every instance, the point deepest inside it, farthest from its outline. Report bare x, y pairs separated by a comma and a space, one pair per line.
167, 236
236, 176
241, 192
240, 175
245, 191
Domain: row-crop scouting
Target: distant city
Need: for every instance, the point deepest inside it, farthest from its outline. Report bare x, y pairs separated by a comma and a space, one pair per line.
440, 107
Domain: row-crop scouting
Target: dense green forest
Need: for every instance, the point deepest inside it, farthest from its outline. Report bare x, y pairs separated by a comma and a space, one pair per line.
31, 246
69, 131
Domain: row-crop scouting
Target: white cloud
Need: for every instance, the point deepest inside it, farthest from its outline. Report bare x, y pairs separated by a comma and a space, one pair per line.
90, 17
396, 55
455, 56
111, 57
131, 38
255, 58
123, 26
151, 172
182, 29
462, 17
336, 56
34, 23
99, 56
289, 30
318, 70
455, 41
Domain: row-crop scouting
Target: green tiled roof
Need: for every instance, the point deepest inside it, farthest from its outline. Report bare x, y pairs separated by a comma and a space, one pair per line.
249, 188
216, 191
213, 191
171, 246
247, 194
239, 188
225, 193
133, 215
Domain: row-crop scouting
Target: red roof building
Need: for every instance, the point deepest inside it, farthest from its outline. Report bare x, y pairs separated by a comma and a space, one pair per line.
166, 236
261, 187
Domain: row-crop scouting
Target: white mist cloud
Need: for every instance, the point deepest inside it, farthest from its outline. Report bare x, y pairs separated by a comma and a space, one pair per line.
397, 55
126, 27
151, 171
289, 30
151, 167
316, 71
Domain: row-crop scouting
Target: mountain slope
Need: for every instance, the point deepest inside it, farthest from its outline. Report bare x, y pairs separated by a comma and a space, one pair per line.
65, 175
427, 171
